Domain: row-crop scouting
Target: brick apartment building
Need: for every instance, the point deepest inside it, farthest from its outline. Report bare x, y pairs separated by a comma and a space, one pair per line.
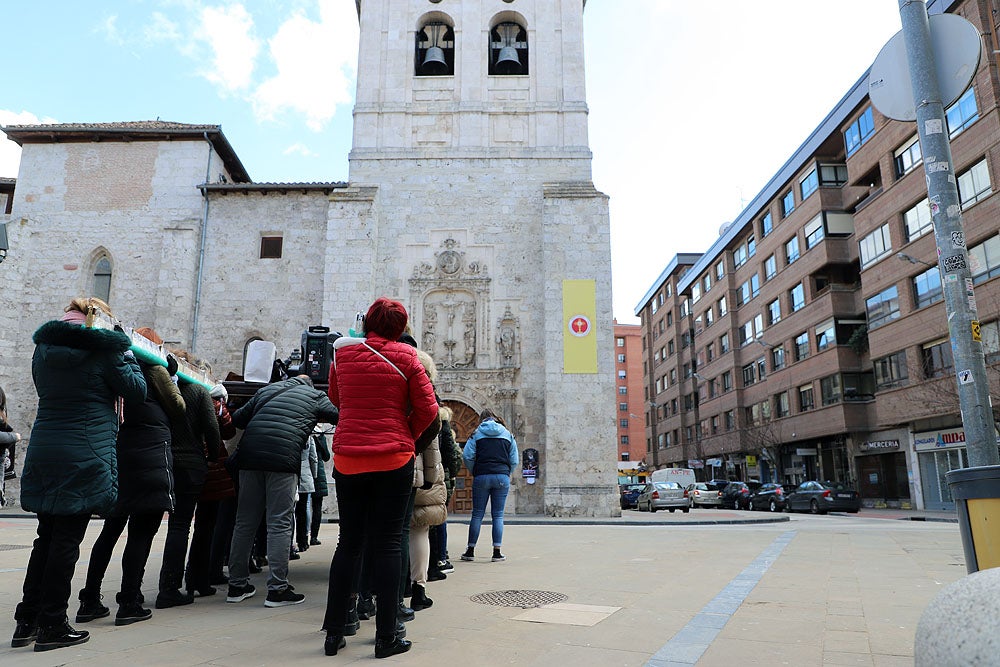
630, 411
810, 340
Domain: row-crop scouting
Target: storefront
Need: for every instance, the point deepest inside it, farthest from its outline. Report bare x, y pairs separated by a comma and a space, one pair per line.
883, 476
937, 453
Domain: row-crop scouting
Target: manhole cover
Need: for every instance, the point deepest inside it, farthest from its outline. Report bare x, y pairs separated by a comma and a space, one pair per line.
522, 599
13, 547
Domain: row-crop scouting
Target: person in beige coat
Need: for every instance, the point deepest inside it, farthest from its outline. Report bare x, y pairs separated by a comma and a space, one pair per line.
429, 507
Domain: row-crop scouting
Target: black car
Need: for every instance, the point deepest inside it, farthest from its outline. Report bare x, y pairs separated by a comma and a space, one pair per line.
630, 495
736, 495
770, 497
822, 497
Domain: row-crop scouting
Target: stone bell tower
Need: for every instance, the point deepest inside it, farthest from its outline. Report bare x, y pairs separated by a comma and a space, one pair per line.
471, 200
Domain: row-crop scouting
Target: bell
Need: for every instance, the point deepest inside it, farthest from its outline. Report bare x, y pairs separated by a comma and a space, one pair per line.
434, 62
507, 61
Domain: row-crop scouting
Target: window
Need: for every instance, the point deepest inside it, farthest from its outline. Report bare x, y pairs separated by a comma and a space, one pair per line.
748, 290
670, 320
623, 423
621, 375
673, 376
829, 389
102, 279
808, 184
859, 132
876, 245
730, 418
695, 292
751, 246
670, 292
774, 312
974, 184
833, 174
797, 295
907, 157
882, 307
792, 250
927, 288
727, 381
806, 398
670, 347
621, 358
990, 332
962, 113
720, 270
709, 317
890, 371
622, 390
688, 370
918, 220
724, 343
739, 256
722, 307
770, 268
761, 369
781, 405
787, 204
623, 407
715, 424
508, 50
984, 260
814, 231
777, 358
937, 360
801, 346
706, 281
435, 52
766, 224
826, 335
270, 247
748, 375
619, 342
710, 351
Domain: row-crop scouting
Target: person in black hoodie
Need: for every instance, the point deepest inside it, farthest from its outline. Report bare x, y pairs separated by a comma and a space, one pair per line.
145, 492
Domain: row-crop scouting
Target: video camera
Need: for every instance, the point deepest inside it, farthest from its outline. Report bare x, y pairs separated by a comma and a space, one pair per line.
314, 357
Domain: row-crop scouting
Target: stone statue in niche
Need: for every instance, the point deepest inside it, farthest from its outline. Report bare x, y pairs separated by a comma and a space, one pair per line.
450, 317
470, 343
507, 342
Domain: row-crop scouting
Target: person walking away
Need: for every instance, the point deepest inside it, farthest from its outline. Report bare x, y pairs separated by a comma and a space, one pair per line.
195, 441
386, 402
81, 374
321, 485
307, 486
145, 493
490, 454
277, 423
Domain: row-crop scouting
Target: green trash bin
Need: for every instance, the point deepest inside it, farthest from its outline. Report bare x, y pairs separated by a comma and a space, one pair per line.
977, 500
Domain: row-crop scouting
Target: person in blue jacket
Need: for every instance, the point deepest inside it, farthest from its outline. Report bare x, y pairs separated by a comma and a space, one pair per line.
490, 454
83, 376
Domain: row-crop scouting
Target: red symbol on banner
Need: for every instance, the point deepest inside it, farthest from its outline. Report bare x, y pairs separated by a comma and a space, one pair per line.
579, 325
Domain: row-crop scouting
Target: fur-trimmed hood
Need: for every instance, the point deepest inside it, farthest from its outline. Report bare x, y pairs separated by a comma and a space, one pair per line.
66, 334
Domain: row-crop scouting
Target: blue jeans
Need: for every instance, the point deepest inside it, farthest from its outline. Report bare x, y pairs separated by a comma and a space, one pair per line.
493, 488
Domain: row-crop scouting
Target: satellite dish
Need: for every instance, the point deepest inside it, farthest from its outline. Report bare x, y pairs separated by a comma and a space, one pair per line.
957, 48
723, 227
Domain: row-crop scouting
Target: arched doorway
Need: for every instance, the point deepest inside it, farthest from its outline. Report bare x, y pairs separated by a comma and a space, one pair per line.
464, 421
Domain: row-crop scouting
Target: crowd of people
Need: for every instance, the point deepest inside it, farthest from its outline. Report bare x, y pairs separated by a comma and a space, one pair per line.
130, 441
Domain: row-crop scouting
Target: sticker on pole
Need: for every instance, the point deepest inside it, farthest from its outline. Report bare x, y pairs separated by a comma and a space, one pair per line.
965, 377
977, 334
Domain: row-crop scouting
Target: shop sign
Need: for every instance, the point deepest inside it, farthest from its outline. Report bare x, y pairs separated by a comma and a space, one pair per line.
806, 451
879, 446
931, 440
696, 464
714, 463
751, 461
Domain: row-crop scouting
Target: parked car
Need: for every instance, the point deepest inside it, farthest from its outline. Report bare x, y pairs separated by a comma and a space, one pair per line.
702, 495
822, 497
629, 494
663, 496
770, 497
718, 484
736, 495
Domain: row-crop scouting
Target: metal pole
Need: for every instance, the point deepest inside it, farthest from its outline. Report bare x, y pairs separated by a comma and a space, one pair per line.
949, 234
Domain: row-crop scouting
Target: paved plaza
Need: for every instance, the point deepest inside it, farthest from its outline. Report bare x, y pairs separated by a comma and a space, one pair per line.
805, 590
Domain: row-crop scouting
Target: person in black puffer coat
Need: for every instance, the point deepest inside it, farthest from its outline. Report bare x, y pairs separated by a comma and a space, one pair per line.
278, 420
70, 467
193, 438
145, 492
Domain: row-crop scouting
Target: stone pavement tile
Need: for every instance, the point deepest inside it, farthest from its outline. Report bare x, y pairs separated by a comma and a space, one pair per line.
793, 630
846, 641
566, 614
841, 622
894, 639
836, 608
837, 658
682, 653
775, 590
773, 609
732, 651
892, 660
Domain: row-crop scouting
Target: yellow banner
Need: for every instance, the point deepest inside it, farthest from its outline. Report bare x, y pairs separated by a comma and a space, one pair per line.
579, 316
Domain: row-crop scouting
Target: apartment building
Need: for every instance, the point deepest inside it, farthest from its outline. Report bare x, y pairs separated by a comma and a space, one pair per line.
810, 340
630, 413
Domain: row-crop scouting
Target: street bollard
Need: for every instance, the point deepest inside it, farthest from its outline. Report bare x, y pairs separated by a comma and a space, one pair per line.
961, 625
976, 492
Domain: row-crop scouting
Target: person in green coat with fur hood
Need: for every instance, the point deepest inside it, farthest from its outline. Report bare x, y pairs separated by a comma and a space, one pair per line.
81, 375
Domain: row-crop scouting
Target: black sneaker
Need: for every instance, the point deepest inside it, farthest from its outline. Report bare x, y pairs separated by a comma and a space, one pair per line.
24, 634
469, 555
433, 574
498, 557
240, 593
283, 598
91, 608
173, 597
59, 636
314, 542
130, 613
446, 566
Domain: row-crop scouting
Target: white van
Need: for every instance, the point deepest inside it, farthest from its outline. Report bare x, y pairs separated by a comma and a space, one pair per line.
683, 476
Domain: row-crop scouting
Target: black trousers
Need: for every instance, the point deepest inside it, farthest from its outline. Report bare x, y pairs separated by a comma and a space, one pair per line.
142, 529
302, 521
372, 506
47, 582
199, 564
222, 536
317, 514
187, 488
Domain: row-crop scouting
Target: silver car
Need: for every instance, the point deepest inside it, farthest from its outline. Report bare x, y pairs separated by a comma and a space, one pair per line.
663, 496
703, 495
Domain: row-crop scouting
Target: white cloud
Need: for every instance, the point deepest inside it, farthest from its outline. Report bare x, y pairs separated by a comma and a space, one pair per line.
299, 149
109, 28
162, 29
10, 153
314, 62
229, 33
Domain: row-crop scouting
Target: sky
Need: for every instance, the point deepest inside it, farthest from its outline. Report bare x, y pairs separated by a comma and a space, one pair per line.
692, 110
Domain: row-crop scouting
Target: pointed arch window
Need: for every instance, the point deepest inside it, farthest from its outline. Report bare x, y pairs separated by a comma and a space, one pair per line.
102, 279
508, 49
435, 50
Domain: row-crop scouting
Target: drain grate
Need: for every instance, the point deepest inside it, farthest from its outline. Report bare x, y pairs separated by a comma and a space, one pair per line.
522, 599
14, 547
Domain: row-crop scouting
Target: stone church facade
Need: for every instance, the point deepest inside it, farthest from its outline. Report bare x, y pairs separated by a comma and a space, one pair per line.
469, 199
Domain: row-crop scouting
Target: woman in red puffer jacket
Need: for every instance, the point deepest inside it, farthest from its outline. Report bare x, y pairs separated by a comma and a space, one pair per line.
385, 400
